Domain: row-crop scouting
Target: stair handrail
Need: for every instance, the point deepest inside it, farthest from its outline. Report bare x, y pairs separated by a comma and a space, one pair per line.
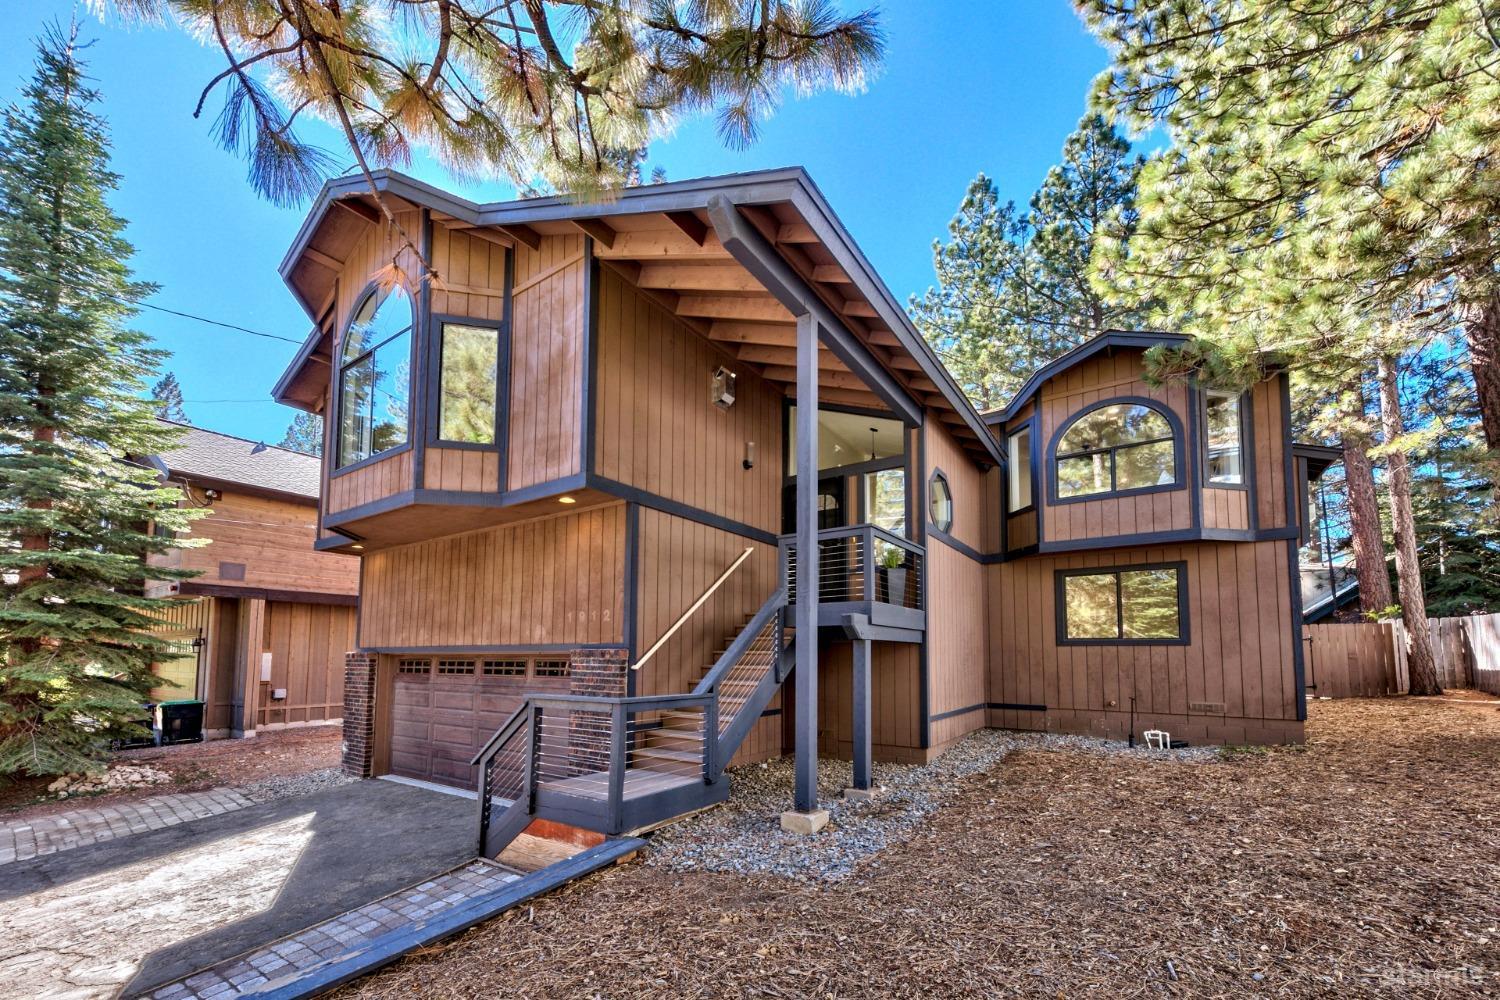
703, 599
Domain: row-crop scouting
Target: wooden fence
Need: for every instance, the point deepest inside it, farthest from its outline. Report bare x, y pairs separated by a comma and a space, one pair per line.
1368, 659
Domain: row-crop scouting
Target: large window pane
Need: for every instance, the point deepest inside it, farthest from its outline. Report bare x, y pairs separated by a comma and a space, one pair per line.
1090, 607
1020, 470
1083, 475
1110, 426
885, 499
391, 397
1144, 465
1225, 451
354, 412
466, 408
1149, 604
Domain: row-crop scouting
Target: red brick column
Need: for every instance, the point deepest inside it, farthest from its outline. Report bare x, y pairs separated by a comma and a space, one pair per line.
359, 713
598, 672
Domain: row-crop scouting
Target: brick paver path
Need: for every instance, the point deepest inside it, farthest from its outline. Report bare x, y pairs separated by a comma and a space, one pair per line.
22, 839
281, 961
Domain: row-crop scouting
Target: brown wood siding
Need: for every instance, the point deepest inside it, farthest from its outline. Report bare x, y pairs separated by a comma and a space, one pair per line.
658, 431
1270, 452
465, 470
272, 540
369, 483
1069, 393
964, 479
1235, 682
546, 363
957, 636
679, 560
895, 700
471, 276
307, 643
557, 580
1226, 509
1020, 531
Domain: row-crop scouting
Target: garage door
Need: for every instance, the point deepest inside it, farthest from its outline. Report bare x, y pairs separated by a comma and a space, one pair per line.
445, 708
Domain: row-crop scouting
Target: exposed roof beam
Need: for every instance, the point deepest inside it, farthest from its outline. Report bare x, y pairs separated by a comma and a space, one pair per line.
359, 208
731, 332
480, 233
661, 244
692, 226
698, 278
599, 230
319, 257
764, 354
796, 232
523, 234
830, 274
849, 397
838, 380
858, 307
761, 307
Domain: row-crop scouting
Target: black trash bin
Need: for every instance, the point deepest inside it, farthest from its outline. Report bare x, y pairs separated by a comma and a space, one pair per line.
136, 741
180, 721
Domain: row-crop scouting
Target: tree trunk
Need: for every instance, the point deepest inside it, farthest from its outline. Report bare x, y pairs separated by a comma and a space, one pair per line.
1423, 669
1364, 510
1481, 323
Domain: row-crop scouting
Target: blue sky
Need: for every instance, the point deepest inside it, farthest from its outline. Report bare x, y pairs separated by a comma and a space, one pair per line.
966, 88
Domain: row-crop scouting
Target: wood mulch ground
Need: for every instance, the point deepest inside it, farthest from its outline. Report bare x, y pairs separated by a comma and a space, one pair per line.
1366, 864
193, 767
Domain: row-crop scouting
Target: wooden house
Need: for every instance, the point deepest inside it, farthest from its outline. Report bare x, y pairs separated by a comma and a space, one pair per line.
580, 464
263, 628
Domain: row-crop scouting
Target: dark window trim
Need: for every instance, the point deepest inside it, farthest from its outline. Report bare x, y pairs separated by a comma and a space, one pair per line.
1178, 439
1029, 424
938, 473
339, 364
1244, 410
433, 378
787, 462
1059, 576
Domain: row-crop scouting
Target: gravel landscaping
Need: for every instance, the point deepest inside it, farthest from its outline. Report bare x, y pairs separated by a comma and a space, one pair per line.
744, 834
1362, 866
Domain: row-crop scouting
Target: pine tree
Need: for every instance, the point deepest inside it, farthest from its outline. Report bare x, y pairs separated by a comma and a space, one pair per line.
304, 434
1013, 287
168, 395
74, 657
1330, 164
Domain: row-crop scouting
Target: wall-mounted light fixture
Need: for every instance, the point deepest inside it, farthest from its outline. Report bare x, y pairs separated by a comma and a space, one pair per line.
721, 388
749, 462
567, 499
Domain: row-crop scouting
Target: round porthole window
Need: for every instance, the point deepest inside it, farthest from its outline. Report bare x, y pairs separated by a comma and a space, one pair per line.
940, 502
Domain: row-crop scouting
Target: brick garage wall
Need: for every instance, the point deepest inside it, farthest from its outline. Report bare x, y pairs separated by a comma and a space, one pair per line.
359, 713
594, 672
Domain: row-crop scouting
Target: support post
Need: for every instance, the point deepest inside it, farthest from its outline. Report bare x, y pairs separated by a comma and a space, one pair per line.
249, 642
863, 773
806, 817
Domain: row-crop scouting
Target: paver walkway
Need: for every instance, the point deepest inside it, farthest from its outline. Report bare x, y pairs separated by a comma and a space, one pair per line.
282, 961
24, 839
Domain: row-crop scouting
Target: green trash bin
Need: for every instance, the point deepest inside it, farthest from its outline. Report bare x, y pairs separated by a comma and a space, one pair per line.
179, 721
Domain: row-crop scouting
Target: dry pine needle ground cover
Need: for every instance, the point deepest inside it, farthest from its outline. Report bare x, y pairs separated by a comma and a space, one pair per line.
1367, 864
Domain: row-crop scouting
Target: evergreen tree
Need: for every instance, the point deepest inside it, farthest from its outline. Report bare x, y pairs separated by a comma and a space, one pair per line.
74, 654
168, 395
1013, 287
304, 434
1330, 164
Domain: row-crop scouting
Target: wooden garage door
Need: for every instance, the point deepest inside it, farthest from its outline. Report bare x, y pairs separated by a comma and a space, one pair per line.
445, 708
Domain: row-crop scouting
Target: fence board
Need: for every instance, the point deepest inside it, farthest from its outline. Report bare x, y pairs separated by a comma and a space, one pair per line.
1369, 659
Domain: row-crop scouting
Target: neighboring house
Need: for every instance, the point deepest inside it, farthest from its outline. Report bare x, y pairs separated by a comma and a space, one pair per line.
263, 627
575, 462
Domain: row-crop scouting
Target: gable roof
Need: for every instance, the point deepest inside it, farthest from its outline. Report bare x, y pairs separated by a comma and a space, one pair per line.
223, 458
1094, 345
859, 300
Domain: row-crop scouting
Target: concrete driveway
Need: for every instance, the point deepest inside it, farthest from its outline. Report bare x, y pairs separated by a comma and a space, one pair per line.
120, 917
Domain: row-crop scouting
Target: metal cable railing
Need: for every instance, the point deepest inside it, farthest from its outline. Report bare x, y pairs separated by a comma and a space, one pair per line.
861, 563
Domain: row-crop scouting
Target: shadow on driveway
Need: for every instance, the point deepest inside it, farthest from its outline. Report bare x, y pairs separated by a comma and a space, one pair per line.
128, 915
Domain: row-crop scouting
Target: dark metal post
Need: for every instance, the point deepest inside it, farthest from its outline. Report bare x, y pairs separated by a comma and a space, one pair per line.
807, 564
863, 776
618, 723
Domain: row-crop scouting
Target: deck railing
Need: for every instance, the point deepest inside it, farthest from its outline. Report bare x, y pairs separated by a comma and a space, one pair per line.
863, 563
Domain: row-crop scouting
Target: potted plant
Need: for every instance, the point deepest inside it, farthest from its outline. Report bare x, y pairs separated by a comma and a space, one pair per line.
893, 572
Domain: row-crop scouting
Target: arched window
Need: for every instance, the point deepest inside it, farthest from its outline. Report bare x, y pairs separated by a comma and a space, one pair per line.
375, 376
1119, 447
940, 502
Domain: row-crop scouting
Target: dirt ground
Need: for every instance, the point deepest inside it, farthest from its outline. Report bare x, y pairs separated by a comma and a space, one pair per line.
1365, 864
193, 766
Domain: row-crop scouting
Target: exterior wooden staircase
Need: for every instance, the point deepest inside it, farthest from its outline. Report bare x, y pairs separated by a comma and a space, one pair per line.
615, 764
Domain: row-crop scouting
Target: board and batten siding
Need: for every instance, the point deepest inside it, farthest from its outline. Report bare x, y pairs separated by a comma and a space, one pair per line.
1063, 397
368, 483
657, 429
679, 560
554, 581
1268, 408
547, 363
1234, 683
307, 643
895, 701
